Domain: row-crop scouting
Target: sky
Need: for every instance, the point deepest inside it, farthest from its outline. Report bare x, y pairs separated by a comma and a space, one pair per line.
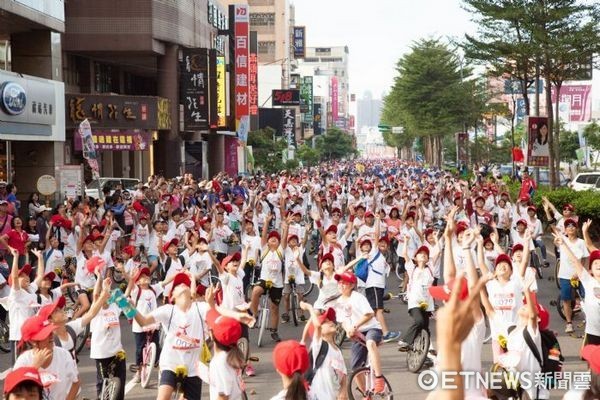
379, 32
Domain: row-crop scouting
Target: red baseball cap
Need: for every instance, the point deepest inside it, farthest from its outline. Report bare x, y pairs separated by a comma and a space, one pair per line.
274, 234
180, 279
232, 257
50, 276
531, 208
594, 255
327, 257
366, 240
225, 330
347, 277
20, 375
590, 353
93, 263
570, 221
36, 328
569, 207
328, 315
443, 292
141, 271
522, 221
46, 311
130, 250
503, 258
369, 214
422, 249
517, 247
290, 357
292, 237
332, 228
173, 242
461, 227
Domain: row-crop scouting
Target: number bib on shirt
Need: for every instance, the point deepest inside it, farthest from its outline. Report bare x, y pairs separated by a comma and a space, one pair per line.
503, 301
111, 320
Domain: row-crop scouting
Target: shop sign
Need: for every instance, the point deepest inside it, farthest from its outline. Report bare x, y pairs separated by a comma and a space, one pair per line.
193, 89
117, 112
115, 140
26, 100
299, 42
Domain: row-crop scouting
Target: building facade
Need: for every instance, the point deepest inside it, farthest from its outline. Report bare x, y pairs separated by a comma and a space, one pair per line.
31, 91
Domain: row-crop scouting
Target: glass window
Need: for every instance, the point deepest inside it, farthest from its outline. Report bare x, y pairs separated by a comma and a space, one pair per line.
4, 54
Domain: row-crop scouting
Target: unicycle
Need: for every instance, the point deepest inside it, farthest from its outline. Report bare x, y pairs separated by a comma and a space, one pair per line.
418, 351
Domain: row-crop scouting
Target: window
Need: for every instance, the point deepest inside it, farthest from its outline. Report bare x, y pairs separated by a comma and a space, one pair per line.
104, 81
331, 59
266, 47
262, 19
4, 54
311, 59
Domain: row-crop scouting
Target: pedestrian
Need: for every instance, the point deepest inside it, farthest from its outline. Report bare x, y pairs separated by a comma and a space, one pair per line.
23, 383
290, 359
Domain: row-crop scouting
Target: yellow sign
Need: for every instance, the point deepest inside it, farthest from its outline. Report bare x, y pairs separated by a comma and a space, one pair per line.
221, 89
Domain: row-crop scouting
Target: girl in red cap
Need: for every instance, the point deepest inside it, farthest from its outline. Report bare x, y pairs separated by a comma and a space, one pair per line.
290, 359
23, 383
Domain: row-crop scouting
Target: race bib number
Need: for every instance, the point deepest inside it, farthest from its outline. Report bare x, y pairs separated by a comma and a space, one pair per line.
504, 301
111, 320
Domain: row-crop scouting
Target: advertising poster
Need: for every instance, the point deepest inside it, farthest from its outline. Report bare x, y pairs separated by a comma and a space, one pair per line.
306, 99
538, 153
117, 141
334, 99
242, 66
231, 155
193, 89
221, 93
88, 147
317, 118
579, 99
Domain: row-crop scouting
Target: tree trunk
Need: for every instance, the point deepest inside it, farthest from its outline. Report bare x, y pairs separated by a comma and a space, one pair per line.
550, 132
558, 86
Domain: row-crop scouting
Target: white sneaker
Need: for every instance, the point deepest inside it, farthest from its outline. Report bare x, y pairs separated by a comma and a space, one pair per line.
569, 328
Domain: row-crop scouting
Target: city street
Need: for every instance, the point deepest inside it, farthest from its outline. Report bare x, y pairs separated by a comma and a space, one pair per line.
267, 383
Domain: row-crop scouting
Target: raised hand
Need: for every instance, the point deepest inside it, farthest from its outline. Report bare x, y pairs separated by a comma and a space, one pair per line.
586, 226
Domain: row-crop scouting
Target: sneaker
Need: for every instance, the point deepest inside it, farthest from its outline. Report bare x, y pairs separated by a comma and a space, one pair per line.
285, 318
250, 370
403, 346
275, 336
302, 318
390, 336
379, 385
569, 328
136, 378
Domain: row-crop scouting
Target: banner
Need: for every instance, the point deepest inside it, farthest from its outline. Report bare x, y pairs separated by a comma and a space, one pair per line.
213, 120
253, 84
88, 147
462, 140
193, 89
299, 42
334, 99
521, 110
306, 99
230, 156
117, 141
241, 18
514, 86
579, 98
221, 93
538, 153
289, 126
317, 118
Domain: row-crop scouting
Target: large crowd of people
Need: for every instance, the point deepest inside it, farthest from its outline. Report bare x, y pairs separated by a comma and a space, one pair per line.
196, 257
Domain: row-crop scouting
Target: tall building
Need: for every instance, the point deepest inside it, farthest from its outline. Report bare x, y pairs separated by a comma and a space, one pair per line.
122, 71
32, 121
368, 111
329, 66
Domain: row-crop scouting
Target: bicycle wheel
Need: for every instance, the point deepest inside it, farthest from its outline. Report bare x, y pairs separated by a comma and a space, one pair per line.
244, 345
357, 389
148, 360
417, 354
81, 339
340, 335
110, 388
264, 320
488, 329
535, 263
294, 306
556, 268
4, 332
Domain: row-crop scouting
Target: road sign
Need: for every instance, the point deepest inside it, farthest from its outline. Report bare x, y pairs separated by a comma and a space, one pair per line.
397, 129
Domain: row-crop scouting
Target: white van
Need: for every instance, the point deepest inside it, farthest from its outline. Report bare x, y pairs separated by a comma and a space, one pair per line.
585, 181
95, 187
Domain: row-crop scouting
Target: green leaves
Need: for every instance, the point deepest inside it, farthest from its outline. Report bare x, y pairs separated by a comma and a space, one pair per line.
335, 144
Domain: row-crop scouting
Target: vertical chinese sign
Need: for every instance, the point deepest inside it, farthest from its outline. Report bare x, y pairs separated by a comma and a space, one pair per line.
289, 126
231, 155
299, 42
89, 148
221, 93
306, 99
538, 153
194, 89
334, 99
241, 54
317, 117
253, 81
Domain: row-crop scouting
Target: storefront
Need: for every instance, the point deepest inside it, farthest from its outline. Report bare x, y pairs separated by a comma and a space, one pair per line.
123, 130
32, 128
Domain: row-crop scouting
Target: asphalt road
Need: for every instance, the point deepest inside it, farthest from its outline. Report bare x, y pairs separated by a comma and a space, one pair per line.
267, 383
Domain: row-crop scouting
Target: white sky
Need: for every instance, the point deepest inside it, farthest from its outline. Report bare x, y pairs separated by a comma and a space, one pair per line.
378, 32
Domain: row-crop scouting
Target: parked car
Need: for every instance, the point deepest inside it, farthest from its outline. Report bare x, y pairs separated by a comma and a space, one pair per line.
544, 178
95, 188
585, 181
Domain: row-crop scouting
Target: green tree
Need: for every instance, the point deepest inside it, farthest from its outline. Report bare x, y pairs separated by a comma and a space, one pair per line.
430, 99
267, 150
335, 144
568, 145
308, 155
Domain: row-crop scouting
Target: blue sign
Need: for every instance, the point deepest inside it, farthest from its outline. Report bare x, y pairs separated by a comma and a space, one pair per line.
13, 97
299, 42
521, 111
514, 86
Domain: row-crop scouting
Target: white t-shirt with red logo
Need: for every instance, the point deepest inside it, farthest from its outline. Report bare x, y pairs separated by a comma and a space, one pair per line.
351, 310
58, 377
21, 305
506, 299
145, 303
106, 333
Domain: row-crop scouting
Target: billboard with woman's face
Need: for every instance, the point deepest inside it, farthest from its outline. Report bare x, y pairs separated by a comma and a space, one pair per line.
538, 152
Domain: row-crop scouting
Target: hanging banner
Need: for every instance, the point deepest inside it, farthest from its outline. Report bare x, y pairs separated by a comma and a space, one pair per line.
241, 19
306, 99
579, 99
253, 75
462, 140
117, 141
213, 119
538, 154
289, 126
299, 42
231, 155
521, 110
317, 118
193, 89
88, 147
221, 93
334, 99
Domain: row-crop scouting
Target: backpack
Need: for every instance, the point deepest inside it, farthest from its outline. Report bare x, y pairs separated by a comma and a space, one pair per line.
139, 294
314, 365
551, 359
39, 297
170, 260
73, 335
363, 267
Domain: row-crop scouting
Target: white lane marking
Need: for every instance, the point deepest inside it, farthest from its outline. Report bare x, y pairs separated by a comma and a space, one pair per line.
130, 385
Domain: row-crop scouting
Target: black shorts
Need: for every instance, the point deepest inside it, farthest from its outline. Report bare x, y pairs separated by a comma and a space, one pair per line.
192, 385
274, 293
591, 339
375, 297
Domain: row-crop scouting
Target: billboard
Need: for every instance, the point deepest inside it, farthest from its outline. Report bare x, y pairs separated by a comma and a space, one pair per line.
193, 89
221, 93
241, 20
289, 126
306, 99
299, 42
513, 86
317, 118
579, 99
231, 155
253, 75
334, 99
285, 97
538, 153
271, 118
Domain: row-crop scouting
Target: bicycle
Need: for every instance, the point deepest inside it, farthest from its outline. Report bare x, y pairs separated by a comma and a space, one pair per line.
362, 381
70, 309
148, 359
264, 313
180, 375
418, 351
111, 384
294, 301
